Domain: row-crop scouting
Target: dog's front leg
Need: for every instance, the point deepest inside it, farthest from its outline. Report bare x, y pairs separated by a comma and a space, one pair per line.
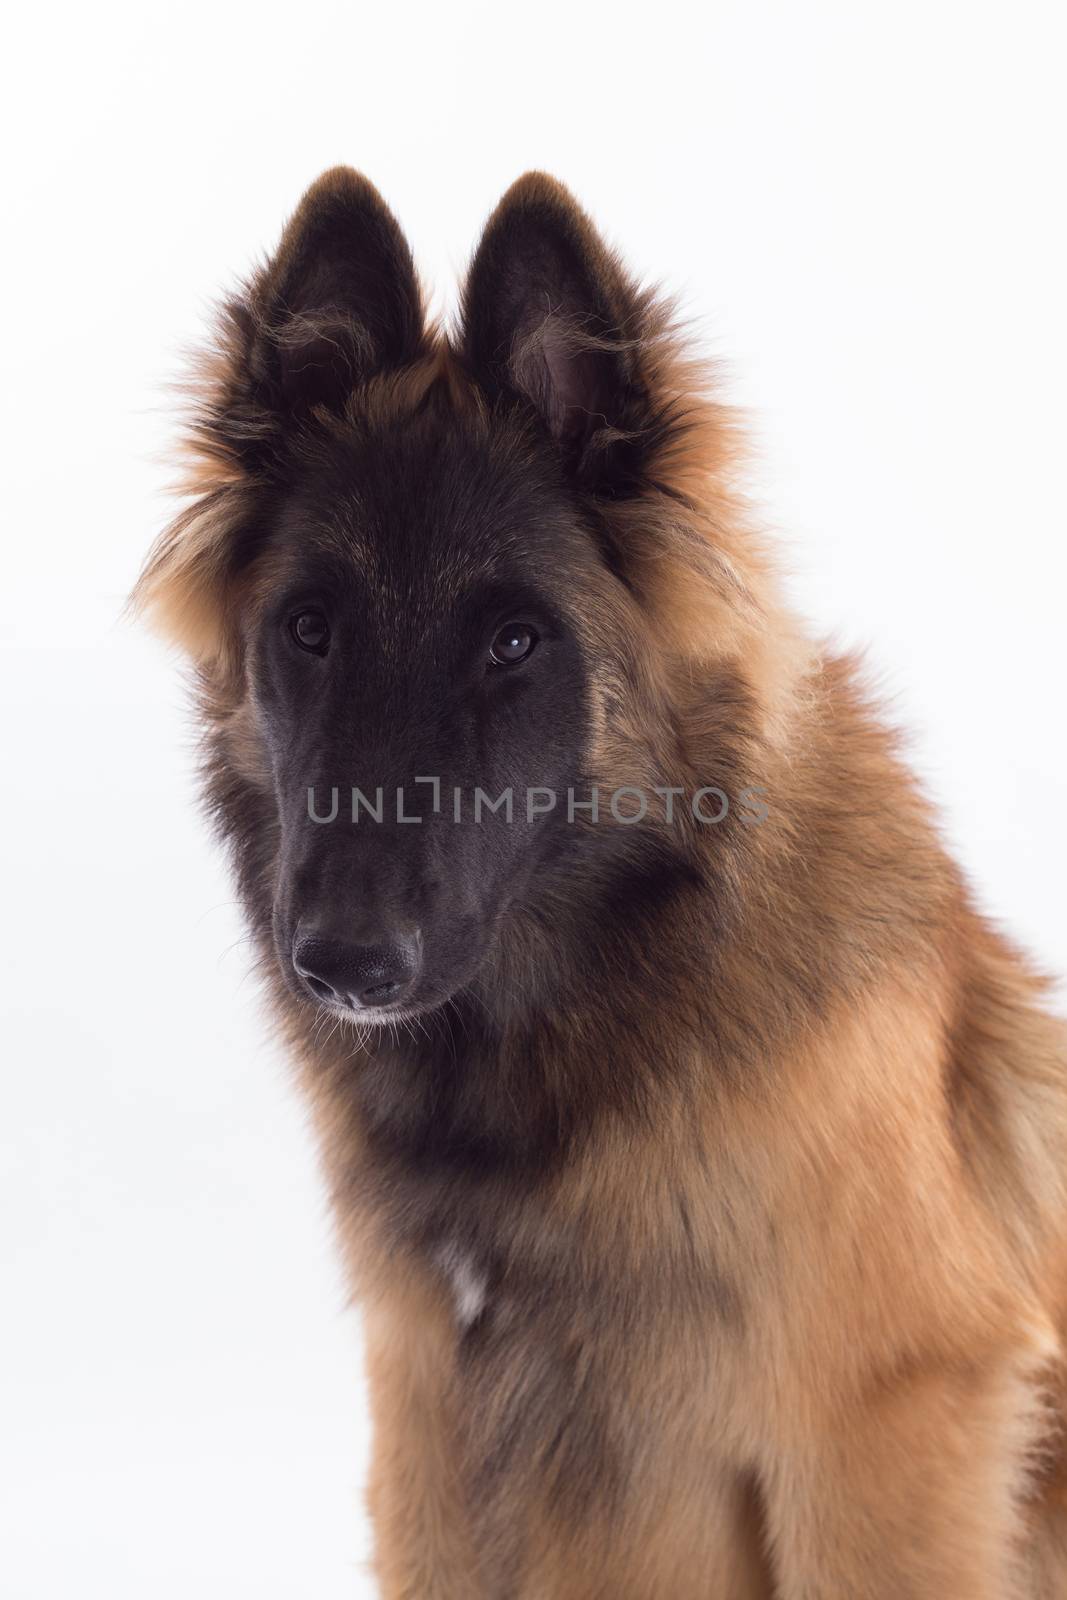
911, 1495
421, 1531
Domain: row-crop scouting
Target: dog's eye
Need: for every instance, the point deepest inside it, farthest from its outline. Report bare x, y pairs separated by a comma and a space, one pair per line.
512, 644
311, 631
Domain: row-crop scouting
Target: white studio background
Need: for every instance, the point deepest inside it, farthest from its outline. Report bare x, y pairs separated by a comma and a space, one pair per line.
862, 206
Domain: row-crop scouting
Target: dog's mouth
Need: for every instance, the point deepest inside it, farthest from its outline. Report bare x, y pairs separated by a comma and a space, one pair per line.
379, 1017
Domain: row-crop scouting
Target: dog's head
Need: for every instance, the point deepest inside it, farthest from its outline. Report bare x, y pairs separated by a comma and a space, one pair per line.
437, 588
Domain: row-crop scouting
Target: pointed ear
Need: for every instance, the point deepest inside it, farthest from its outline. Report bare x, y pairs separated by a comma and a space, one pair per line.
550, 321
338, 302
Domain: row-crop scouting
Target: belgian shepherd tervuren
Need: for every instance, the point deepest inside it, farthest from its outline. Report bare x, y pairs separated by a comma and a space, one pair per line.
698, 1151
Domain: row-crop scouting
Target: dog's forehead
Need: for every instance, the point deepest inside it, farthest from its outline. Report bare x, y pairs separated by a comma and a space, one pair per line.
423, 508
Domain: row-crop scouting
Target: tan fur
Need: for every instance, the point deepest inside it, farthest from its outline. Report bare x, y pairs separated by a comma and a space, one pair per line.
870, 1406
893, 1349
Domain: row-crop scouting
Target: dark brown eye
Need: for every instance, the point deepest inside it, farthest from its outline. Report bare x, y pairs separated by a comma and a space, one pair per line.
512, 644
311, 631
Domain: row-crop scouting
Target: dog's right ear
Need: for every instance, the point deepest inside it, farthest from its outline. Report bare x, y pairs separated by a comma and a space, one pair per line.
337, 304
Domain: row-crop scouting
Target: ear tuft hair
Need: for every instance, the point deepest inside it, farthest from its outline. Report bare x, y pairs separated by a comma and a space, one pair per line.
338, 304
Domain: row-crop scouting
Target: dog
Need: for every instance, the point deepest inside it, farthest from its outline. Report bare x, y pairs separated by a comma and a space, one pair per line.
698, 1151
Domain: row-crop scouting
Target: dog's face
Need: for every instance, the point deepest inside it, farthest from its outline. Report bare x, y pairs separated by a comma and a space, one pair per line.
418, 668
432, 633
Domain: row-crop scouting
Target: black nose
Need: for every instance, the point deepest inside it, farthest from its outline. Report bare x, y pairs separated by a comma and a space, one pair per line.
357, 975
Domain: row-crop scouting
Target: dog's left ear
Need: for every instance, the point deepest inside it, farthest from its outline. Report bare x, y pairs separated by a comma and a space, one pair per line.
551, 323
